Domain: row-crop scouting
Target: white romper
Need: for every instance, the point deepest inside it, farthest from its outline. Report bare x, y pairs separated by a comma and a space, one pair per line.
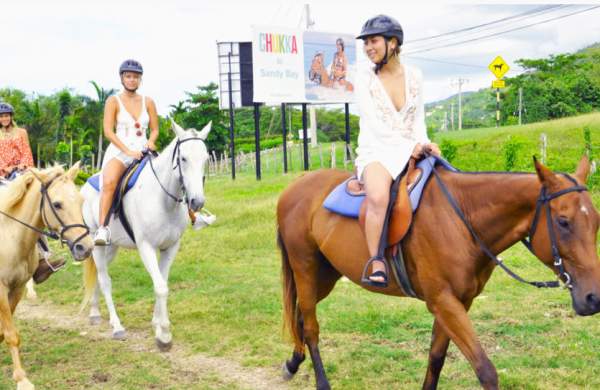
127, 132
388, 136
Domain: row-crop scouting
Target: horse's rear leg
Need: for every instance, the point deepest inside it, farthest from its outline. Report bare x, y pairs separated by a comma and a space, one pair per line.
314, 278
451, 317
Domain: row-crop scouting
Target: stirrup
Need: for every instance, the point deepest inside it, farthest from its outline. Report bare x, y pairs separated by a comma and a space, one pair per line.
373, 283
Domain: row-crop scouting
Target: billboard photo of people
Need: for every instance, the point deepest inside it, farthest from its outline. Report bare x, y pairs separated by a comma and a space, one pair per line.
329, 67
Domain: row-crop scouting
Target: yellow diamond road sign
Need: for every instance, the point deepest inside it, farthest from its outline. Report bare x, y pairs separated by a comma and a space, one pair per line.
498, 67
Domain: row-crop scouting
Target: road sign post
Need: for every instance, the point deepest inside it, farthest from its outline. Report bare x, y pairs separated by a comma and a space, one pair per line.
498, 67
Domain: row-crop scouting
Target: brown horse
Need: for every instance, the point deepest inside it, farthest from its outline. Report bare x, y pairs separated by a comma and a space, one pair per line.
447, 267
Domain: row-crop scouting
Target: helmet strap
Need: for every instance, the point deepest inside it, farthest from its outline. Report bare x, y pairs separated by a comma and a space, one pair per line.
128, 89
384, 61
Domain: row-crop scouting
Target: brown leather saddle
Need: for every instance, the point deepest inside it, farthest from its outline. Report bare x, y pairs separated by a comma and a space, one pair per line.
399, 217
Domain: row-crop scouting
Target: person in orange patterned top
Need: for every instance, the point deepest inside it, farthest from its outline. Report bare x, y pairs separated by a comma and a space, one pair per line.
15, 155
15, 152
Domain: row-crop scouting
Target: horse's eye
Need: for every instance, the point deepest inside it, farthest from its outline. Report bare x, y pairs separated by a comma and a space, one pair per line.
183, 159
563, 223
57, 205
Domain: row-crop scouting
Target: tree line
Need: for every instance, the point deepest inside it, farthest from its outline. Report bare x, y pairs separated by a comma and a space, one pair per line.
67, 125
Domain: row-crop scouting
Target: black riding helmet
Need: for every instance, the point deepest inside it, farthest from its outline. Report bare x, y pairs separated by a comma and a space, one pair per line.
387, 27
6, 108
131, 66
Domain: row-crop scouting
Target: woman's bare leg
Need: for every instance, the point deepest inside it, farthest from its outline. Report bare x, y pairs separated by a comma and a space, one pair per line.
110, 177
377, 185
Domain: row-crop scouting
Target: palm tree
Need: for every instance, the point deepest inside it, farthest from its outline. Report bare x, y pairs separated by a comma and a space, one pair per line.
102, 94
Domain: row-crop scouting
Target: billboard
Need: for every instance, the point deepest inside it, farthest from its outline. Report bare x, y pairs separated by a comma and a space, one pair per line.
277, 57
292, 66
329, 67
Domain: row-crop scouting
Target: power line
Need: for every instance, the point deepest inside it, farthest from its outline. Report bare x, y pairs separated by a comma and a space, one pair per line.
445, 62
475, 31
527, 13
450, 62
502, 32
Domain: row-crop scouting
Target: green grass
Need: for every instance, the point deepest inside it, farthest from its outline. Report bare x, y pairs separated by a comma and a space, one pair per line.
225, 301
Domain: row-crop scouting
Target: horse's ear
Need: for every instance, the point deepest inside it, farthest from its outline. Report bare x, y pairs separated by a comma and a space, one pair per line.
74, 170
179, 132
583, 169
546, 176
203, 134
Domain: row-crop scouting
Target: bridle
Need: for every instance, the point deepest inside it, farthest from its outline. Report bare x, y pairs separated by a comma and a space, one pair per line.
52, 233
176, 157
542, 201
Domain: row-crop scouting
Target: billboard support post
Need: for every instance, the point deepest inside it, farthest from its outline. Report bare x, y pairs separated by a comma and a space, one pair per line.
283, 130
257, 138
305, 136
347, 135
231, 120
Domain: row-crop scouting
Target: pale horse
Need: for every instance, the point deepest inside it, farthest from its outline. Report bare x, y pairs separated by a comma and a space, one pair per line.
40, 202
157, 210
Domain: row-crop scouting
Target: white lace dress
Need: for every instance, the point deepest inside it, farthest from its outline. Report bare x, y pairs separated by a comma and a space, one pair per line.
388, 136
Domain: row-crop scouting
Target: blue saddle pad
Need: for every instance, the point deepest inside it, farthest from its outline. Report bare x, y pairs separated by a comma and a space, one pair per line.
340, 201
94, 181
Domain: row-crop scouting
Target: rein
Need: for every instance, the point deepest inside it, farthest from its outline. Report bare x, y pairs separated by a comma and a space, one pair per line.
542, 201
175, 157
52, 234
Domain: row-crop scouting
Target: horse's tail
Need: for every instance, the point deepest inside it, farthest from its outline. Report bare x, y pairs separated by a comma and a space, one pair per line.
89, 281
290, 297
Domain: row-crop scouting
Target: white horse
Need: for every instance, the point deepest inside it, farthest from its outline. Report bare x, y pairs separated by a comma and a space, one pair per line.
158, 215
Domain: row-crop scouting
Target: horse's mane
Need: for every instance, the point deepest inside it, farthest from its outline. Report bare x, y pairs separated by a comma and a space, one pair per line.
16, 190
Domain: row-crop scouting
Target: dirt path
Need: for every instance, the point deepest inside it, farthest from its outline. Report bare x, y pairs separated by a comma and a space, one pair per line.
228, 371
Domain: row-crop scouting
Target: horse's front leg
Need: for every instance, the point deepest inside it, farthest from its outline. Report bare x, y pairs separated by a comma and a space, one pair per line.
161, 291
451, 314
11, 336
102, 257
161, 312
31, 294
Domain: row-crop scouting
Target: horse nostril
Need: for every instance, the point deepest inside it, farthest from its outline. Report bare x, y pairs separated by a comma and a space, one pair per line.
592, 299
197, 204
79, 248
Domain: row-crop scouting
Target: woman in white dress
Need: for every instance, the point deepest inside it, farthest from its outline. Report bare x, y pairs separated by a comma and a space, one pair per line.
392, 128
130, 114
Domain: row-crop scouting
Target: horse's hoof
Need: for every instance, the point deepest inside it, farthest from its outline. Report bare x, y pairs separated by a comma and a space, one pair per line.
285, 373
164, 347
95, 320
24, 384
119, 335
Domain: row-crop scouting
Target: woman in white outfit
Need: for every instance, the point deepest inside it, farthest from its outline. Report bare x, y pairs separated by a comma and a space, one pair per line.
392, 127
130, 114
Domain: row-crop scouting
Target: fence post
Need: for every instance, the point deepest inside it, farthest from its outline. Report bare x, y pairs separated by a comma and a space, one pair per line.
333, 162
544, 141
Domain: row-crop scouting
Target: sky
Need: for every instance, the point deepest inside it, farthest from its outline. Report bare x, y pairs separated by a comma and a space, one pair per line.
50, 45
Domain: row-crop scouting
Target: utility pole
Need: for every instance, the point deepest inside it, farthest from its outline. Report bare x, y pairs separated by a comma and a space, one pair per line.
460, 83
445, 124
520, 105
452, 115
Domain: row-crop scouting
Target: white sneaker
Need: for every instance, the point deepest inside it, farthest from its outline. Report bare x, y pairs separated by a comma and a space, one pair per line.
203, 219
102, 236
